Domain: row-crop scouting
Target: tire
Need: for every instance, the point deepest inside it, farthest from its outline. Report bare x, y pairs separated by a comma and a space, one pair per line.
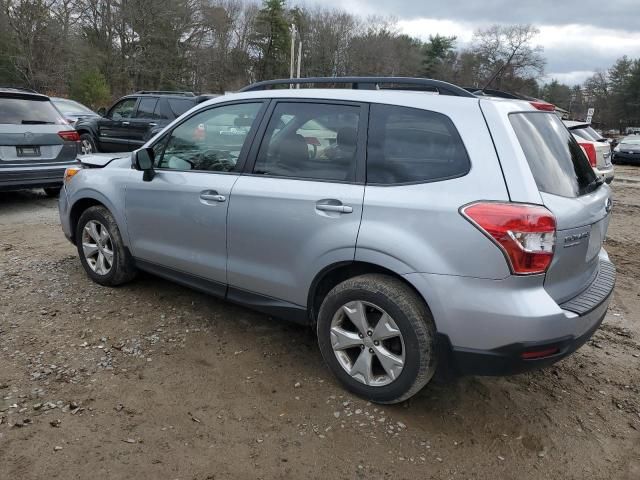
121, 268
415, 343
52, 192
88, 144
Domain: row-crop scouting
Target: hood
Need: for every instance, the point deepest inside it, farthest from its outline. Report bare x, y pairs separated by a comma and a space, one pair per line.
630, 147
99, 160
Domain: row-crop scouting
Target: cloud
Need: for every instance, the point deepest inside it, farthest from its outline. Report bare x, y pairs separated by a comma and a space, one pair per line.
625, 14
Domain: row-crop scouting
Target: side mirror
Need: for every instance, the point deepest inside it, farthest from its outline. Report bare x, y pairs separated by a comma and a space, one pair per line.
142, 160
102, 111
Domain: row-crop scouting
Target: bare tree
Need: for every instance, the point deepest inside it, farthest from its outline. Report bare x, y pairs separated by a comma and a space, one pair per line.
506, 53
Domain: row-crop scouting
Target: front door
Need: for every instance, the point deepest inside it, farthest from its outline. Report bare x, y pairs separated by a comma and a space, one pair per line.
113, 128
177, 220
299, 208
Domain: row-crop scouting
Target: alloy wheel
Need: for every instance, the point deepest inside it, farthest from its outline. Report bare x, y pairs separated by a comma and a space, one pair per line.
97, 247
367, 343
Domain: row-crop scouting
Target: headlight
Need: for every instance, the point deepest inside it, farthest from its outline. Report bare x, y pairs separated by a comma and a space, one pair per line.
71, 172
617, 148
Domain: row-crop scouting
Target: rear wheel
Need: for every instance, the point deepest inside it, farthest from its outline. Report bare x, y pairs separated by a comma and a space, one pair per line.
378, 338
52, 191
101, 249
87, 144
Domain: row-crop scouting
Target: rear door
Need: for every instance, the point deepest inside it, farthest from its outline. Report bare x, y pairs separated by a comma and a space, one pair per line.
30, 129
298, 207
114, 128
143, 121
569, 189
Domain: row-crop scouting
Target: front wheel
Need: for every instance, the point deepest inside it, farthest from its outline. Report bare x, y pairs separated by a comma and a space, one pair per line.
377, 336
87, 144
102, 251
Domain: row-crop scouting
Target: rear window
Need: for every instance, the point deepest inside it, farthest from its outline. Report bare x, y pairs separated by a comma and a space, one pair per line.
556, 160
180, 105
408, 145
587, 133
23, 111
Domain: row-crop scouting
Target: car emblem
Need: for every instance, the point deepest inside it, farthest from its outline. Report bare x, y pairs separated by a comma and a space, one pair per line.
573, 240
28, 136
608, 205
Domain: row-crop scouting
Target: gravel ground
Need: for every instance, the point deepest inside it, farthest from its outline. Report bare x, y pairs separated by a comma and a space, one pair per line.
154, 381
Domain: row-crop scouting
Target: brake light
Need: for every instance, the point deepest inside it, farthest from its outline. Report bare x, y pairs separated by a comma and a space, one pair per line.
526, 234
590, 151
69, 136
544, 106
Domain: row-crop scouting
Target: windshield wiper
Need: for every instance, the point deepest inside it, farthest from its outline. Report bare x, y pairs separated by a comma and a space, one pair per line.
36, 122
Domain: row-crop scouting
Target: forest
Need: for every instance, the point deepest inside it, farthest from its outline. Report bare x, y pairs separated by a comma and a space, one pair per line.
96, 50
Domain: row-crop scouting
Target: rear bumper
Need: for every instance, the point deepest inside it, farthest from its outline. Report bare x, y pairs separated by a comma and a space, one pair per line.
497, 329
16, 178
508, 360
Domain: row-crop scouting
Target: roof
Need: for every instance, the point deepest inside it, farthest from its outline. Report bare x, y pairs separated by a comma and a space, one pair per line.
21, 93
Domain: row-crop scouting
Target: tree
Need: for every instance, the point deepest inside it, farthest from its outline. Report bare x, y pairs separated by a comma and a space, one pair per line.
436, 51
506, 56
271, 41
91, 88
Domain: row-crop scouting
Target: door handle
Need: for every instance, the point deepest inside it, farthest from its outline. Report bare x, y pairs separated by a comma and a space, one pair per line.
212, 197
327, 207
124, 124
153, 124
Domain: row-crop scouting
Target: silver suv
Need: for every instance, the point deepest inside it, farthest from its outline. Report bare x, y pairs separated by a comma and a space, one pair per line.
36, 143
411, 223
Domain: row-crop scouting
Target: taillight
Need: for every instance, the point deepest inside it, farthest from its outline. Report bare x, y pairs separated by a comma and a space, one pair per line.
590, 150
526, 234
69, 136
544, 106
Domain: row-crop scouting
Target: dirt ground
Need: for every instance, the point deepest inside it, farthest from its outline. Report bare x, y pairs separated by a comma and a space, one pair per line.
154, 381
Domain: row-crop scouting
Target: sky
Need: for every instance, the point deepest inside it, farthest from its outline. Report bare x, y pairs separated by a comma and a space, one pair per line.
578, 37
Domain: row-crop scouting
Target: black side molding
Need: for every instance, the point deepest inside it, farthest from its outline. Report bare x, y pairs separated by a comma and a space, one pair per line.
255, 301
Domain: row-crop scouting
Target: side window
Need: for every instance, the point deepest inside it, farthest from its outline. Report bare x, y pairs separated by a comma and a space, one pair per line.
310, 140
123, 109
408, 145
146, 107
210, 140
180, 105
160, 113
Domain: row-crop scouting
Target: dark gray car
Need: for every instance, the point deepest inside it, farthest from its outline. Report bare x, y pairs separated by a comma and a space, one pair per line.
36, 143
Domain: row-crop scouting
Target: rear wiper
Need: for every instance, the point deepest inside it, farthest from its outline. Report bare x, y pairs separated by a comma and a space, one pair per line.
36, 122
594, 184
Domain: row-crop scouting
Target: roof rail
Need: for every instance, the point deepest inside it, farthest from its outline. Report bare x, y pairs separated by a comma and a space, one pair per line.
22, 89
166, 92
369, 83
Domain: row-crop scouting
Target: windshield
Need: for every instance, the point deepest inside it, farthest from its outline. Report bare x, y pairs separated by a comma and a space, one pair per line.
28, 111
72, 108
633, 140
557, 162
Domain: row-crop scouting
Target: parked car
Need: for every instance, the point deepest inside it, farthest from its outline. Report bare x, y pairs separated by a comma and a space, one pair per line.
595, 146
133, 120
424, 230
36, 143
73, 111
627, 150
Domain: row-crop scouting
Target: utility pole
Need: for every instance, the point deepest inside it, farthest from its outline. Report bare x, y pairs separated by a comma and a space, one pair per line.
294, 32
299, 60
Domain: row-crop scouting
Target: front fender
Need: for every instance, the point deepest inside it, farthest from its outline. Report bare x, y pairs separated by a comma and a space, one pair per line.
104, 189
